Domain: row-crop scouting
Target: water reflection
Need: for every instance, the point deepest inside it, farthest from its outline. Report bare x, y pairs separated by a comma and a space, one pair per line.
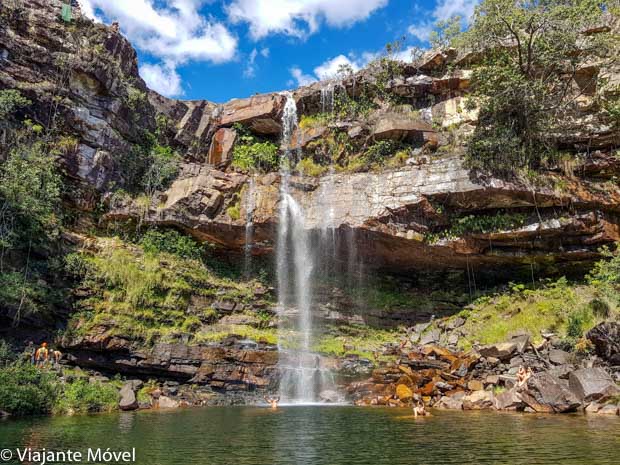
328, 436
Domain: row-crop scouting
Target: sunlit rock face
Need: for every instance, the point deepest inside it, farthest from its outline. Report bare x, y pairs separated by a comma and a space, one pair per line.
88, 78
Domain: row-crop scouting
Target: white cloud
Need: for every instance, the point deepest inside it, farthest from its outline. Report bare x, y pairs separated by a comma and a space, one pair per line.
300, 78
250, 66
162, 78
175, 32
265, 52
298, 17
330, 68
444, 9
422, 30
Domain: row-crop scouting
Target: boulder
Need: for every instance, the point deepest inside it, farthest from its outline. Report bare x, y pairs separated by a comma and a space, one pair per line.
475, 385
606, 339
547, 394
261, 113
609, 409
502, 350
165, 402
593, 407
404, 392
478, 400
591, 384
400, 127
450, 403
522, 342
128, 398
558, 357
509, 400
430, 337
221, 147
330, 396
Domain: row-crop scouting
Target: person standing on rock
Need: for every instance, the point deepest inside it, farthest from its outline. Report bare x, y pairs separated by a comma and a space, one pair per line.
42, 355
29, 352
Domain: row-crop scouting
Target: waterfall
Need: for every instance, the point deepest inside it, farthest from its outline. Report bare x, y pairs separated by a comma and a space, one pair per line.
303, 376
327, 98
250, 205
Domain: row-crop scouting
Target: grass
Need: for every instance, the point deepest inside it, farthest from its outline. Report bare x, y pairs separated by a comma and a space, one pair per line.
308, 167
313, 121
150, 297
218, 333
553, 307
361, 340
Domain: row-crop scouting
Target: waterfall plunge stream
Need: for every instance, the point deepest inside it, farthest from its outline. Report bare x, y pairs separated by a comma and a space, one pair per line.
303, 374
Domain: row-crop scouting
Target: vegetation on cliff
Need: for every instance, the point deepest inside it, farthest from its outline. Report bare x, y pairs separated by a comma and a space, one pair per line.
160, 290
28, 390
524, 84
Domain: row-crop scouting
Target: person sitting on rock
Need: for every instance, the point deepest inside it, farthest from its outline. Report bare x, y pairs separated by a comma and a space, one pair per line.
420, 410
273, 402
523, 376
42, 355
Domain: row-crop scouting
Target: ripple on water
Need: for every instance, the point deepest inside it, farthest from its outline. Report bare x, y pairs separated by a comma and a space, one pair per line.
329, 436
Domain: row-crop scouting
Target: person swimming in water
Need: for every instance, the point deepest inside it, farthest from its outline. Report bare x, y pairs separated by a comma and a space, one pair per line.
273, 402
420, 410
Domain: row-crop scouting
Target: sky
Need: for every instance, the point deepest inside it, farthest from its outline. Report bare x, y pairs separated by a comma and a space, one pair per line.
223, 49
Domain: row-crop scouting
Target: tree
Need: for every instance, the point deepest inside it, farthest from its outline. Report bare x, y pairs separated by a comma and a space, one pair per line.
29, 195
525, 84
445, 32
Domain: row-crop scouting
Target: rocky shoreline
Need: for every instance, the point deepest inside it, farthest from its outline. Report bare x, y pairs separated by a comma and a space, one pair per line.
485, 377
482, 378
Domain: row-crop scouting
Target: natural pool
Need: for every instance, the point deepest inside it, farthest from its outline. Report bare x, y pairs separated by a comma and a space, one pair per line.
327, 436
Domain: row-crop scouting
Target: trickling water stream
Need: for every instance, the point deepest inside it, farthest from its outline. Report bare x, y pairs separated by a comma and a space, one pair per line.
303, 376
250, 205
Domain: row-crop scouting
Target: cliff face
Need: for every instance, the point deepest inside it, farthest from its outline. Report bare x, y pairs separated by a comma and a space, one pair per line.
84, 76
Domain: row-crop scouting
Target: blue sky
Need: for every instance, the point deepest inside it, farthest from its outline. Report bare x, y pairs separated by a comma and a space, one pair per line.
223, 49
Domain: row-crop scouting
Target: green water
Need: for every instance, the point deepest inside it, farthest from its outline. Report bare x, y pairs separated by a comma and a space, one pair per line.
329, 436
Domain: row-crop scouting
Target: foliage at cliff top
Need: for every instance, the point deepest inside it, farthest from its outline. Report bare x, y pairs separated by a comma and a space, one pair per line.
524, 86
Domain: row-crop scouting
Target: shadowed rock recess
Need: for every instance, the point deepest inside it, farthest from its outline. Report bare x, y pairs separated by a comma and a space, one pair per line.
389, 180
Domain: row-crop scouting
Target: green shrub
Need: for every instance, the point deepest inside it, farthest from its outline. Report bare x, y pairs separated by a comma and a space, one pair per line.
479, 224
234, 211
84, 397
26, 390
308, 167
262, 156
162, 169
579, 321
26, 295
605, 275
170, 241
10, 101
382, 150
6, 353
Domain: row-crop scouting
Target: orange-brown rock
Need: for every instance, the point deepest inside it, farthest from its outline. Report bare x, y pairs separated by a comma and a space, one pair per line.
221, 148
